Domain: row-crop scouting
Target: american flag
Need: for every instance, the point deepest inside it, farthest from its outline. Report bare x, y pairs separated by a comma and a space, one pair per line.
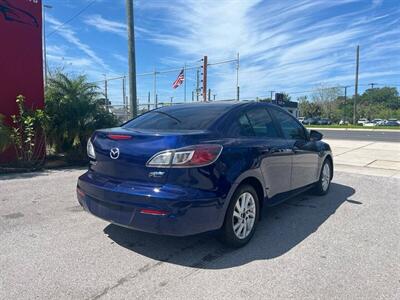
179, 80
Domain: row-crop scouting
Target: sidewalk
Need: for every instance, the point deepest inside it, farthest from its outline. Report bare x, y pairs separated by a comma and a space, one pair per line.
355, 129
367, 158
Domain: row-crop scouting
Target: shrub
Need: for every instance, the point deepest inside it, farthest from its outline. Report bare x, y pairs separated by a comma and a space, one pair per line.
27, 135
75, 109
5, 135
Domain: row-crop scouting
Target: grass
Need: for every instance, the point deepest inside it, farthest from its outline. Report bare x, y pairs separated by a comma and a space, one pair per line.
353, 127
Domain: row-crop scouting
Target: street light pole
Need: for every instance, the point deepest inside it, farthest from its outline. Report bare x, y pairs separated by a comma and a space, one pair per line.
356, 85
131, 58
44, 41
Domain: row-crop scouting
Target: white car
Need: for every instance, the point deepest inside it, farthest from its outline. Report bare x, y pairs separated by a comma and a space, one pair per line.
362, 121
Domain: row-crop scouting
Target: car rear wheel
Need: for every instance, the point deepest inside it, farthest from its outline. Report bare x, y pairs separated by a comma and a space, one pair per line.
322, 186
241, 217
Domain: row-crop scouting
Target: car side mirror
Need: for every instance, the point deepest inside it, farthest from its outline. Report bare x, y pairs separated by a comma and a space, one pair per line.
315, 135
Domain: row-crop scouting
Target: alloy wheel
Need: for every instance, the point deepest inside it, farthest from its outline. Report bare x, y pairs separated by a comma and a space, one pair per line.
244, 215
326, 176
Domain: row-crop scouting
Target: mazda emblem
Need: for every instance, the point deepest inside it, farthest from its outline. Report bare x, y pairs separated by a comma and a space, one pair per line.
114, 153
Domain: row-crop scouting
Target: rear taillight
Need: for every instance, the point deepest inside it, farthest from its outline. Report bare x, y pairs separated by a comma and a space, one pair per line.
118, 137
193, 156
90, 150
153, 212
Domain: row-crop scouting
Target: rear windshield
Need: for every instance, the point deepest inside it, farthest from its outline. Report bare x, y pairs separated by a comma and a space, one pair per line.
196, 117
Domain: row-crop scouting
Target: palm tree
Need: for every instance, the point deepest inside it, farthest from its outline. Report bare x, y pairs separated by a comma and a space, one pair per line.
75, 109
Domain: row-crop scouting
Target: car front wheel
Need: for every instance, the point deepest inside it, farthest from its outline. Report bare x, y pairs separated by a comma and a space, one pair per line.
322, 186
241, 217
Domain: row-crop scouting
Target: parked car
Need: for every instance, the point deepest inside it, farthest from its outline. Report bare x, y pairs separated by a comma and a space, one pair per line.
324, 121
381, 123
391, 123
369, 124
301, 119
311, 121
362, 121
186, 169
343, 122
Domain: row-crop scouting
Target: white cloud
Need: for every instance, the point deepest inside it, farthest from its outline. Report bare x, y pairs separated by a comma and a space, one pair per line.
71, 36
282, 44
105, 25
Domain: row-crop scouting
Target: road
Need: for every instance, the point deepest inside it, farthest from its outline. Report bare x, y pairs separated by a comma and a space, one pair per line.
343, 245
362, 135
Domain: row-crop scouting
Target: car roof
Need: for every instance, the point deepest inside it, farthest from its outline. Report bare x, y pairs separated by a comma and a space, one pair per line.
220, 104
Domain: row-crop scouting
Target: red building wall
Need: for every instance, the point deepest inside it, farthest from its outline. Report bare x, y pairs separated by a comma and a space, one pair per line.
21, 66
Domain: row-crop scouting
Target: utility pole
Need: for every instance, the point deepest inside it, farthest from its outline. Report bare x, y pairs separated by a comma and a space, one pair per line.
356, 85
197, 84
345, 102
192, 96
44, 42
205, 64
214, 95
272, 93
237, 79
172, 99
131, 58
372, 85
209, 94
155, 87
105, 89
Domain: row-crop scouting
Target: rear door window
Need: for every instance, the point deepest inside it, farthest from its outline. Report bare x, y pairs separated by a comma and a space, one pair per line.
291, 128
255, 122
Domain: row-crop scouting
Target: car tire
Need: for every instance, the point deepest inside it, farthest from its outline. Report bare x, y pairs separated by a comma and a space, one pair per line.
322, 186
243, 212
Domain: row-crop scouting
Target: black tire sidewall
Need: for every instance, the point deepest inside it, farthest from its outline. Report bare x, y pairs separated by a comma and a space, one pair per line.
319, 189
228, 234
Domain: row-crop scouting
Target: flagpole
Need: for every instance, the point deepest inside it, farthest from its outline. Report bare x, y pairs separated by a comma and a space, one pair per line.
184, 82
155, 88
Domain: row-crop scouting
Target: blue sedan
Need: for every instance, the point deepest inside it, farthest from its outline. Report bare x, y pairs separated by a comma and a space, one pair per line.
186, 169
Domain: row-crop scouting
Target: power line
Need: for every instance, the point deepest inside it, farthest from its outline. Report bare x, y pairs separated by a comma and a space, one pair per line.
73, 17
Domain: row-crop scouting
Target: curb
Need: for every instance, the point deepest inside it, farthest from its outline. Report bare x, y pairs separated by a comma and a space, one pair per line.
354, 129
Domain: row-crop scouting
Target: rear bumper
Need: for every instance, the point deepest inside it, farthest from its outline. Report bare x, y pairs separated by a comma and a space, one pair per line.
188, 211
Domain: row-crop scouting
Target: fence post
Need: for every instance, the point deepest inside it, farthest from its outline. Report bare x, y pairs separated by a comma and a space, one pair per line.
123, 93
148, 101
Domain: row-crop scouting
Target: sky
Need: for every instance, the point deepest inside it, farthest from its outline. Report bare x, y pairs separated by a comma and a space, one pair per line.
284, 45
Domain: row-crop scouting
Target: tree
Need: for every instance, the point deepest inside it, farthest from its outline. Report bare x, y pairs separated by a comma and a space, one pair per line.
75, 108
387, 96
326, 97
286, 97
309, 109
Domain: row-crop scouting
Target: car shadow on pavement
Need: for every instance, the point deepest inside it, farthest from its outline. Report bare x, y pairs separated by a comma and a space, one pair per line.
281, 228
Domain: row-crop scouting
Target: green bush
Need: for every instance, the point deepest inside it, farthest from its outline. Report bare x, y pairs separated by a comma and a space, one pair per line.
27, 135
5, 135
75, 108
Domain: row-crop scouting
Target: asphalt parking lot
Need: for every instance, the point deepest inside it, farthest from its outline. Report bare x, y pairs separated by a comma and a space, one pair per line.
343, 245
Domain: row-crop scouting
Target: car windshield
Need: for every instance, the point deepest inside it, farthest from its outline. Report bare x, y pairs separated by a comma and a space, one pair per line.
185, 117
